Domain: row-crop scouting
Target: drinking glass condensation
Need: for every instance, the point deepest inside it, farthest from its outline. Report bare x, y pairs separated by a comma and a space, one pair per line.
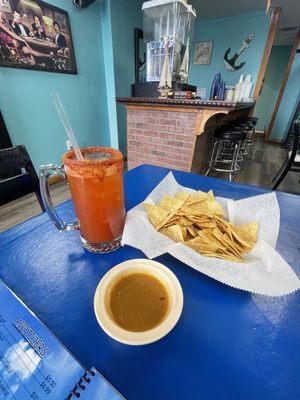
96, 185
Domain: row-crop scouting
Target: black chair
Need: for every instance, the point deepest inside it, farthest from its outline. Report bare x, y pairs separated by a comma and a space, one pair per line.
16, 161
292, 162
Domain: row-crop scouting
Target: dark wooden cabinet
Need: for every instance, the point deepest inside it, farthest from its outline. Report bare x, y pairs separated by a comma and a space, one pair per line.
5, 141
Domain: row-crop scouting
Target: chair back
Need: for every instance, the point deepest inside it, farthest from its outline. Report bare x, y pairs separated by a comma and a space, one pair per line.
296, 139
20, 176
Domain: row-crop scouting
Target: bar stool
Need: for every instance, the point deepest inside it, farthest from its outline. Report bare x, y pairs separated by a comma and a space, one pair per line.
227, 152
248, 124
246, 149
251, 122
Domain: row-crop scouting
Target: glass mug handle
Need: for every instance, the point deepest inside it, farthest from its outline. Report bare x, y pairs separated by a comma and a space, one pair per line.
47, 171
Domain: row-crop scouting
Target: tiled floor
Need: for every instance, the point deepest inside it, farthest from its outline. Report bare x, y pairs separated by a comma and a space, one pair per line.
266, 160
22, 209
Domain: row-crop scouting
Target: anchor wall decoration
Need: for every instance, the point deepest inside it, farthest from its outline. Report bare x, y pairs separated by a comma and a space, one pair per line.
230, 62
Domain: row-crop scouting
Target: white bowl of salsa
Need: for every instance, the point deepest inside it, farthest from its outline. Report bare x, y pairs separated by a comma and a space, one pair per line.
138, 302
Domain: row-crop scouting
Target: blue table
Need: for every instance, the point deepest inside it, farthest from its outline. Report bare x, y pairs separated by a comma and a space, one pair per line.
228, 344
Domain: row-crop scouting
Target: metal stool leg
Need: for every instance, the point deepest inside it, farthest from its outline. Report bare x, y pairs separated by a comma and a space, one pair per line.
243, 154
250, 143
234, 164
212, 158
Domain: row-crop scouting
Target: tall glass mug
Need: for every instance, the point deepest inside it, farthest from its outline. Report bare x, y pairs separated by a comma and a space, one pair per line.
96, 185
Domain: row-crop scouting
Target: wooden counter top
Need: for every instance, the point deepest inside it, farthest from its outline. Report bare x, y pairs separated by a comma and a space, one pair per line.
185, 103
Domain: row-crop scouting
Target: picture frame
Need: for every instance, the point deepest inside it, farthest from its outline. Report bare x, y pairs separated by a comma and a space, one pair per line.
36, 35
203, 53
140, 56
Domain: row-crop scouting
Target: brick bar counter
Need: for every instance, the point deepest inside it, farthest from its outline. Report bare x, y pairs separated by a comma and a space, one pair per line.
174, 133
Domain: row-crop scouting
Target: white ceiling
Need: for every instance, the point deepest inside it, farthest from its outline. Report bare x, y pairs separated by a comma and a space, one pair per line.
209, 9
290, 17
290, 13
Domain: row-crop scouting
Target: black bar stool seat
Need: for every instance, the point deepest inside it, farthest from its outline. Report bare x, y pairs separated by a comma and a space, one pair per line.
249, 120
247, 124
240, 126
233, 135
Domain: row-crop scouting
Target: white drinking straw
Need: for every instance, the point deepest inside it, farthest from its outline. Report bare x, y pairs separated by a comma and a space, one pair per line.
66, 123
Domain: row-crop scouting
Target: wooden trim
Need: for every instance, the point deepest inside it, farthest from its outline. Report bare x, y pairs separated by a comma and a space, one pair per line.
260, 133
283, 85
196, 129
198, 125
160, 108
267, 51
188, 109
274, 141
55, 179
204, 117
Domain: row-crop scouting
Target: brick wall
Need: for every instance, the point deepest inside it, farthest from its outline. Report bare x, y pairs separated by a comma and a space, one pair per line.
163, 138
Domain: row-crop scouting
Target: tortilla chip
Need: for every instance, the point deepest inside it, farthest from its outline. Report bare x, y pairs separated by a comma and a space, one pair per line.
156, 214
195, 198
231, 245
192, 231
225, 257
174, 205
201, 247
167, 202
185, 196
184, 221
173, 232
246, 234
209, 223
209, 207
197, 220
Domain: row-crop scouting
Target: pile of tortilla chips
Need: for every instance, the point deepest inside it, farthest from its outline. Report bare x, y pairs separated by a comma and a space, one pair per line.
197, 220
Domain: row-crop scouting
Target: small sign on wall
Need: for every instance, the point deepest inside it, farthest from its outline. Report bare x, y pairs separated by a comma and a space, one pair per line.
203, 53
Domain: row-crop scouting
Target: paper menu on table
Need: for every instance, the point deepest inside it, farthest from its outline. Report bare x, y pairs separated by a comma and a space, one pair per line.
34, 364
99, 388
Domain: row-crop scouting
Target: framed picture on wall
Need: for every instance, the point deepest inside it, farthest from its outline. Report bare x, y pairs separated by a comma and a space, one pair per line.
35, 35
203, 52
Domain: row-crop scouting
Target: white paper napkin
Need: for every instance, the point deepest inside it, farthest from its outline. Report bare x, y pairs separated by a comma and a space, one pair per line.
264, 272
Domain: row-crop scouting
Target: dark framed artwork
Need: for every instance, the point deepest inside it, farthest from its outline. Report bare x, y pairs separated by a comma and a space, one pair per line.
140, 56
35, 35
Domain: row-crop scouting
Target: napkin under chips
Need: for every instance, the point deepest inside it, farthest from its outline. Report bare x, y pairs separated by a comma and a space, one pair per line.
197, 220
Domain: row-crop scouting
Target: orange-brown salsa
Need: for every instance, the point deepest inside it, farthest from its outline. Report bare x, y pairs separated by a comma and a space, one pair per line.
138, 302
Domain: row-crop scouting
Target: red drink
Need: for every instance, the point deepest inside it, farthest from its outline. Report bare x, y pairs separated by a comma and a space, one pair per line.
96, 186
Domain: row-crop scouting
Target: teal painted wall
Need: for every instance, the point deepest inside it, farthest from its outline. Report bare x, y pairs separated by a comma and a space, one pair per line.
289, 102
109, 72
125, 17
274, 74
229, 32
25, 95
